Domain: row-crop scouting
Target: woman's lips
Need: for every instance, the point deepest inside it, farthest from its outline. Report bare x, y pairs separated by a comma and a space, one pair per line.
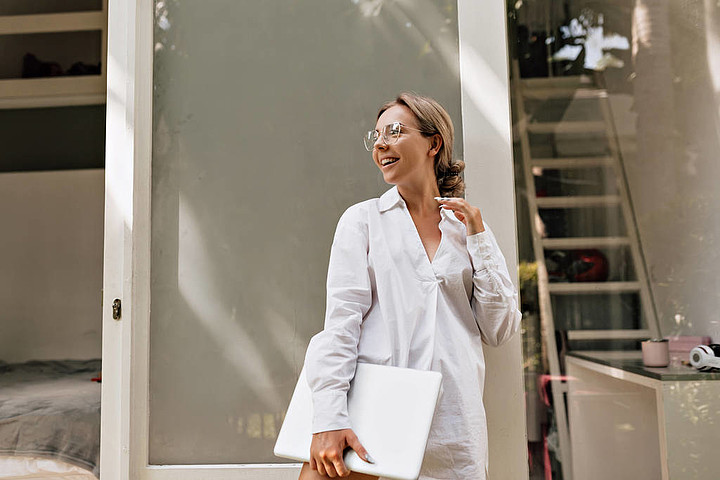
387, 165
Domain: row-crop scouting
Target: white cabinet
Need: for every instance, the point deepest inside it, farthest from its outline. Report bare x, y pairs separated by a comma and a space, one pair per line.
632, 422
66, 40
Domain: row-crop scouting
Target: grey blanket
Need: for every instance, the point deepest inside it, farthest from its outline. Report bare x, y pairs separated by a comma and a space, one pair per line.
51, 409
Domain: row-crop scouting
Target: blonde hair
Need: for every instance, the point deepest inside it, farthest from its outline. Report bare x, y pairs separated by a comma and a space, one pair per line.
434, 120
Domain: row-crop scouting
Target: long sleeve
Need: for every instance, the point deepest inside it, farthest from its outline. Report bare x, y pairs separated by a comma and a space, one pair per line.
332, 354
495, 298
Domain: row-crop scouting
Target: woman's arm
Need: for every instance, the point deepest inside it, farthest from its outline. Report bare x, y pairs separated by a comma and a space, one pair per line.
495, 300
332, 354
331, 357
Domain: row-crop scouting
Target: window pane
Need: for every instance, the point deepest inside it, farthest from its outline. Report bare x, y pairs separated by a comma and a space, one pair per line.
259, 112
617, 140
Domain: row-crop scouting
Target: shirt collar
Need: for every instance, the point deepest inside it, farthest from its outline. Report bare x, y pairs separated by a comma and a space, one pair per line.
389, 199
392, 198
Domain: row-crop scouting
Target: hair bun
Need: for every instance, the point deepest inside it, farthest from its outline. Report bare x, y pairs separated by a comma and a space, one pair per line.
456, 168
450, 183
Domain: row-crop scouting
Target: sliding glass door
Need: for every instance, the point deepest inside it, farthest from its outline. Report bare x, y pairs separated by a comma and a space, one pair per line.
258, 112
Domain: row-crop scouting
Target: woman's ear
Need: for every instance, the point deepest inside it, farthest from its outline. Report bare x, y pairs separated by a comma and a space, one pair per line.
435, 144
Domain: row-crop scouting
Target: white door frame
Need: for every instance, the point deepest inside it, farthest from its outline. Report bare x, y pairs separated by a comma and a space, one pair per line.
490, 185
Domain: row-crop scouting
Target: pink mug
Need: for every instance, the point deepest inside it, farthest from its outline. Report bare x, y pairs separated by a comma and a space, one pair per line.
656, 352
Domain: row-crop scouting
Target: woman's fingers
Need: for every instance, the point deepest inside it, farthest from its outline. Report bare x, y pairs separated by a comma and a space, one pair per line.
339, 467
452, 202
355, 444
466, 213
327, 448
458, 205
327, 470
332, 462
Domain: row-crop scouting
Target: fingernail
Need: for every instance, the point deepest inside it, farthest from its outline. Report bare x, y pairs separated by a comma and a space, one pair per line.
438, 198
369, 458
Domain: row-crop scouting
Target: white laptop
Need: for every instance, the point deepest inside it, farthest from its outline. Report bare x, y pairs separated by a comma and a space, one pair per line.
391, 410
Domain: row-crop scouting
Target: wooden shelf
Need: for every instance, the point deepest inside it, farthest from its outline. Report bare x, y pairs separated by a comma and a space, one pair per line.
578, 201
585, 242
63, 90
570, 81
593, 287
566, 127
52, 23
573, 162
52, 101
608, 334
564, 93
52, 91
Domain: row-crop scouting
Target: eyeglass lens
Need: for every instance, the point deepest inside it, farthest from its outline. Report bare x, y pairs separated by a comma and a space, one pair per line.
390, 134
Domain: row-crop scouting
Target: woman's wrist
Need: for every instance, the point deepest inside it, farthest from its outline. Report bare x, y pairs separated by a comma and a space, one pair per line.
475, 225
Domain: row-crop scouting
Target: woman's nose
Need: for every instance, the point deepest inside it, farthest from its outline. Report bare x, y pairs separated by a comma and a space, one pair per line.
380, 144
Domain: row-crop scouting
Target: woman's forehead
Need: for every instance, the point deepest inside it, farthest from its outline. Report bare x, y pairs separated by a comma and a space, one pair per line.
397, 113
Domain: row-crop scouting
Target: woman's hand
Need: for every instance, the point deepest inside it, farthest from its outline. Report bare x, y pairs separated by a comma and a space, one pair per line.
326, 452
464, 212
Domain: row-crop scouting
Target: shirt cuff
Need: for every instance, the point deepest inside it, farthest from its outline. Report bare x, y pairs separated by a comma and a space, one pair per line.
330, 411
480, 248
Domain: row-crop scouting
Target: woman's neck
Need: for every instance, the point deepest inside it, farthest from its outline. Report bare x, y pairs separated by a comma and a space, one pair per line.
419, 198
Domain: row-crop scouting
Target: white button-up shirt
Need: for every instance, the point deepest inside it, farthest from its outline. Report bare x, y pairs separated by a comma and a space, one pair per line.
387, 303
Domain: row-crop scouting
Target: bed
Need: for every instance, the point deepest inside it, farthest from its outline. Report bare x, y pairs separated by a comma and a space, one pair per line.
50, 420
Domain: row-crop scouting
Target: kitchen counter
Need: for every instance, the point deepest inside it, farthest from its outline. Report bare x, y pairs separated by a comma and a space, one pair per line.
631, 421
631, 362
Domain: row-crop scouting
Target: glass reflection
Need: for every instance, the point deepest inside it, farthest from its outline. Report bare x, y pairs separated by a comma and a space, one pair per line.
616, 107
257, 112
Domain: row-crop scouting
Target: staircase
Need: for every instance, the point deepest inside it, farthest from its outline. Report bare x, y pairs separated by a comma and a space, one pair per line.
538, 131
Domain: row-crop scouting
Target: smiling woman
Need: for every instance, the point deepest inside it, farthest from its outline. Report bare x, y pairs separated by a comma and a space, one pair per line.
414, 286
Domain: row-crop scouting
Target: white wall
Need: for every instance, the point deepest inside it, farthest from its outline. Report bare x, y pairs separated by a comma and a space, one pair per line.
51, 249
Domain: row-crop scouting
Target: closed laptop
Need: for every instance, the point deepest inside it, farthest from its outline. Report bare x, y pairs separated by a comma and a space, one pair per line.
391, 410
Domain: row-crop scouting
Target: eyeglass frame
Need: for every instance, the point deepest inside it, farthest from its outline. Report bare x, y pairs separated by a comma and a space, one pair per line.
384, 136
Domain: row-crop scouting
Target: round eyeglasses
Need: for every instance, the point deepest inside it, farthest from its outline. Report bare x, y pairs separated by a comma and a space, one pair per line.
389, 133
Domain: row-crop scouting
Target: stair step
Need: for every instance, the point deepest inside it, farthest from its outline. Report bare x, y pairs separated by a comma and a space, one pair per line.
557, 82
578, 201
573, 162
584, 242
608, 334
566, 127
564, 93
593, 287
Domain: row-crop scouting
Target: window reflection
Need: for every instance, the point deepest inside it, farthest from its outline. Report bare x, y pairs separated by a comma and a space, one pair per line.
616, 109
257, 112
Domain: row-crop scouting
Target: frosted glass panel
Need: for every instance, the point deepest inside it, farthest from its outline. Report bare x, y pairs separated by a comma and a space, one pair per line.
259, 109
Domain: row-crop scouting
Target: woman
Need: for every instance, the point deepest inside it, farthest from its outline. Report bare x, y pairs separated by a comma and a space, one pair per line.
412, 285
